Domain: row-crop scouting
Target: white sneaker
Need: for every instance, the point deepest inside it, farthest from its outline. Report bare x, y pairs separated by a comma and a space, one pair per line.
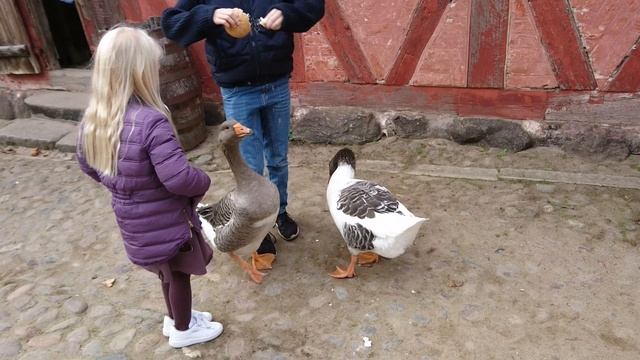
168, 322
196, 334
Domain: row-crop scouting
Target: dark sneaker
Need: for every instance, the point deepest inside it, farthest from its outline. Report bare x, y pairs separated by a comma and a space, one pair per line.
268, 245
287, 228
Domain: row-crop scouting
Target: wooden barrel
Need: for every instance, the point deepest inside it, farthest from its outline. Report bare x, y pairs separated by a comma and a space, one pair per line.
180, 89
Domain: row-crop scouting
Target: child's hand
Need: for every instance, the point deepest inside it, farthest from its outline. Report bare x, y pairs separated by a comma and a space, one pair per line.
273, 20
226, 17
196, 200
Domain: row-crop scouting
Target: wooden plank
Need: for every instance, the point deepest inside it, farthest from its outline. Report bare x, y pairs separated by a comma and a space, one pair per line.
13, 32
488, 43
518, 104
606, 180
560, 37
509, 104
11, 51
298, 74
89, 23
422, 25
627, 78
616, 109
344, 44
42, 43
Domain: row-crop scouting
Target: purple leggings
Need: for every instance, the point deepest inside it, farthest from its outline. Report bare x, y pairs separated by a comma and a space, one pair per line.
177, 296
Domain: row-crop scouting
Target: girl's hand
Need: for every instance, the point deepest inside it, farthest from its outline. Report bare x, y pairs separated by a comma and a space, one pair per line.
226, 17
273, 20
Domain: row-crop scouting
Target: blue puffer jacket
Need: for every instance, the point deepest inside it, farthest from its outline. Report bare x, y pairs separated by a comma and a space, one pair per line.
261, 57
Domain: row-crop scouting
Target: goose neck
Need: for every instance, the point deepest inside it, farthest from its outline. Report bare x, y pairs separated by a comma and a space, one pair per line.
241, 172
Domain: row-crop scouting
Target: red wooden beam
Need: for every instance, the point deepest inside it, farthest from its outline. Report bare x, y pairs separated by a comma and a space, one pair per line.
560, 37
298, 74
628, 77
500, 103
488, 43
344, 44
423, 23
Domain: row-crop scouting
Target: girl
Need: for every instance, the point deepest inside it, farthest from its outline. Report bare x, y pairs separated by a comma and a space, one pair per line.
128, 144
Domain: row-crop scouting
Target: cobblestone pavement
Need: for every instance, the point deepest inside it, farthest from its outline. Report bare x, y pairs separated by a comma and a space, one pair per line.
503, 270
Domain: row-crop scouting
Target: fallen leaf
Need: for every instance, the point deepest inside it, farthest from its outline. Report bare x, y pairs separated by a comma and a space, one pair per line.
191, 353
109, 282
455, 283
35, 151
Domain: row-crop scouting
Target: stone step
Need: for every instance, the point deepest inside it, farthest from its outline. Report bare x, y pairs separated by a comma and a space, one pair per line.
41, 133
71, 79
58, 104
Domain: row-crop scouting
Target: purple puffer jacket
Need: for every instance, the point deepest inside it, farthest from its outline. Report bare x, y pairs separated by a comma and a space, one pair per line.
155, 191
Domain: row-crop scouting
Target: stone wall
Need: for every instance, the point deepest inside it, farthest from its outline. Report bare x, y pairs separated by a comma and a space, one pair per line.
352, 125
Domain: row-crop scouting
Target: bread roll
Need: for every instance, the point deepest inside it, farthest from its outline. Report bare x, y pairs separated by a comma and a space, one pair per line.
243, 29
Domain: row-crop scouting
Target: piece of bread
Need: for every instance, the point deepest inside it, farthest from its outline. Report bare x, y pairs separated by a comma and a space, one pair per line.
243, 29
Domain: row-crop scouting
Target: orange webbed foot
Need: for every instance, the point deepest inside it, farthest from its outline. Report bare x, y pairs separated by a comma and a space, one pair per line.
349, 272
263, 261
368, 258
341, 273
255, 275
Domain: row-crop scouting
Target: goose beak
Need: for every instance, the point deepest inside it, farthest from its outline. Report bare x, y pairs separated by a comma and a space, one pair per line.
241, 131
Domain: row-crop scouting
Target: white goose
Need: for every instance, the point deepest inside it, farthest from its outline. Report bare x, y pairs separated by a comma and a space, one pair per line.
369, 217
238, 223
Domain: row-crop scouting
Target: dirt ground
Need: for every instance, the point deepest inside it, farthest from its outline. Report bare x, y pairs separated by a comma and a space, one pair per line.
502, 270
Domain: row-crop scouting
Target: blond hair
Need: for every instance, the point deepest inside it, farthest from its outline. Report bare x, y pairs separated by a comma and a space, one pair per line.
126, 65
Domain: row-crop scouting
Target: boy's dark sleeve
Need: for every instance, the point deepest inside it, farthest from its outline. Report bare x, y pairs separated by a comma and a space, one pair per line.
300, 15
190, 20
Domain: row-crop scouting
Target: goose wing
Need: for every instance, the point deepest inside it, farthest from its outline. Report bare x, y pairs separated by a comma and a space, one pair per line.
358, 237
363, 199
218, 214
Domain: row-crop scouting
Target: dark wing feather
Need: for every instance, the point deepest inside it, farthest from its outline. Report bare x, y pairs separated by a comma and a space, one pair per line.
363, 199
218, 214
358, 237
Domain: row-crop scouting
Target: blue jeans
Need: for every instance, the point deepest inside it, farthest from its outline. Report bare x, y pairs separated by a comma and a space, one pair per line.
265, 109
